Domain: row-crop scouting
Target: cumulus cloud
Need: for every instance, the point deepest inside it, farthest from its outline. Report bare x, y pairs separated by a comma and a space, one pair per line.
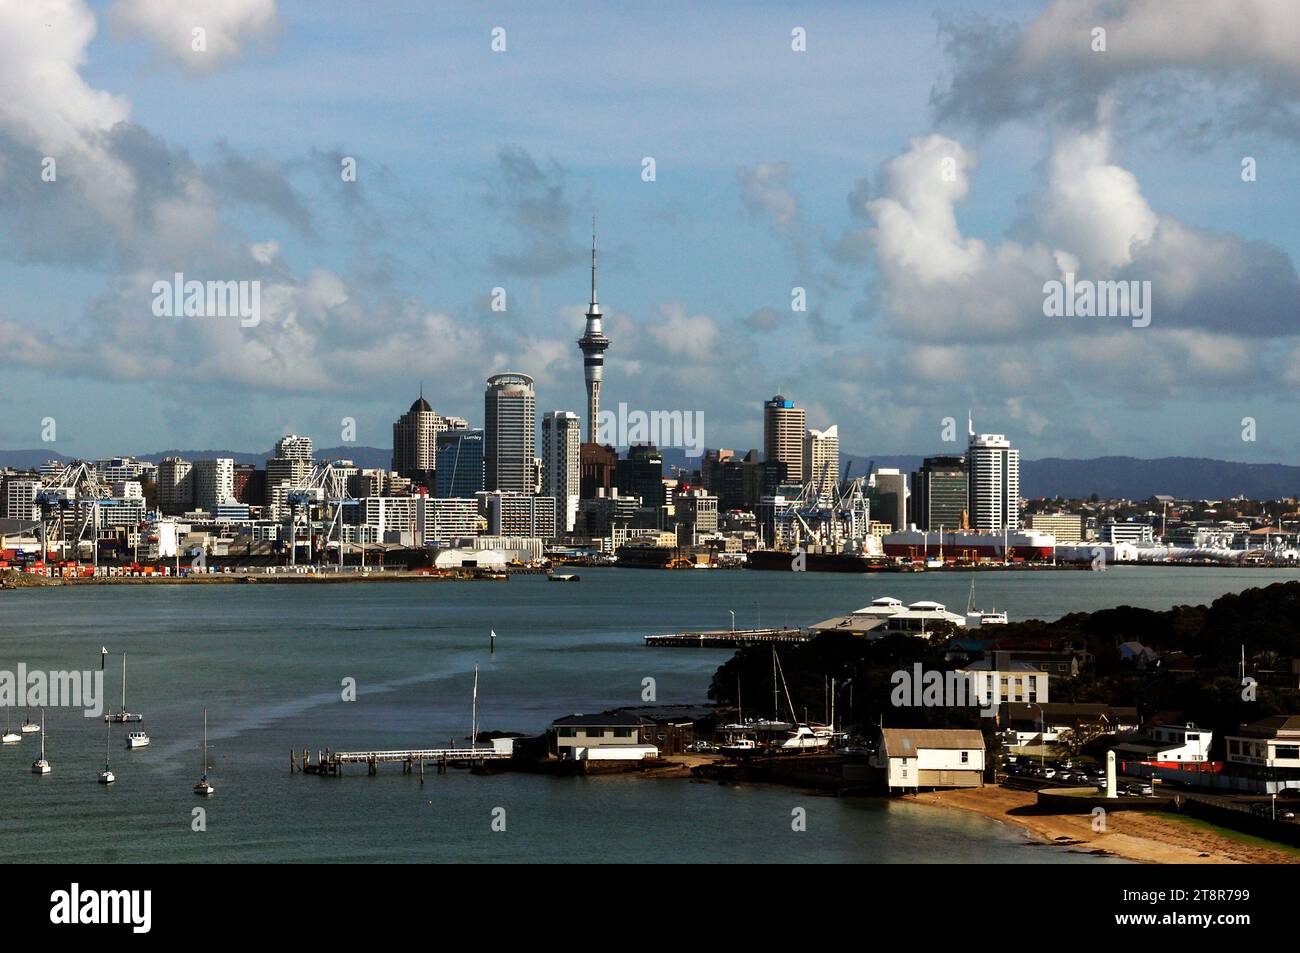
1090, 218
170, 27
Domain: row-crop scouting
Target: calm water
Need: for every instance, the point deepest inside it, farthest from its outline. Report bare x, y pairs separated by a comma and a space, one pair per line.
268, 661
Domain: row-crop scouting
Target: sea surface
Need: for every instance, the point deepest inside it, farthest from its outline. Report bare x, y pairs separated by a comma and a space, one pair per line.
269, 662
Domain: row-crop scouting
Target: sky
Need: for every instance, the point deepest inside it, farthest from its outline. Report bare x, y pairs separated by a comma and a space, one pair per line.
921, 172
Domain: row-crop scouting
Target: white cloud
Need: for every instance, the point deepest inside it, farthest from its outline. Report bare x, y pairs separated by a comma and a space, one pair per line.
227, 27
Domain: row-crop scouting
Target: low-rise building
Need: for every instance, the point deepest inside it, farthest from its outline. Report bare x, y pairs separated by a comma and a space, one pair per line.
1016, 681
915, 758
1164, 743
1046, 723
1268, 753
608, 736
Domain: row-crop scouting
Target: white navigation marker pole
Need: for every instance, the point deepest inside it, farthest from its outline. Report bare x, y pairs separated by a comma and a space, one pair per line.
1110, 775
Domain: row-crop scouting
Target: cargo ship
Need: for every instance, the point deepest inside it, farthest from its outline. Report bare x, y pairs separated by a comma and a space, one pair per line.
969, 545
782, 560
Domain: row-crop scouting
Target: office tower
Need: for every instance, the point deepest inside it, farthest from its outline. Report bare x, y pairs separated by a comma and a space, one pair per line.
598, 464
175, 486
939, 494
415, 442
293, 447
460, 464
711, 468
891, 490
783, 433
562, 464
518, 514
593, 344
993, 479
821, 459
641, 474
214, 483
509, 433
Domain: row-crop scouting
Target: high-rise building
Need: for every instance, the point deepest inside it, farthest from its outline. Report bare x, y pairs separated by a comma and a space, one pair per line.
1066, 527
821, 459
783, 434
598, 464
993, 479
593, 344
509, 433
891, 491
415, 442
175, 486
293, 447
214, 483
518, 514
460, 464
562, 464
20, 498
641, 474
939, 494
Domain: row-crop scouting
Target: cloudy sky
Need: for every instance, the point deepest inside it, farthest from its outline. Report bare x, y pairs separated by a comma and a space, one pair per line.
919, 174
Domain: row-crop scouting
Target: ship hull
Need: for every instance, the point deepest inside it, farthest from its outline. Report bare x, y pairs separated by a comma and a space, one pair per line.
777, 560
917, 546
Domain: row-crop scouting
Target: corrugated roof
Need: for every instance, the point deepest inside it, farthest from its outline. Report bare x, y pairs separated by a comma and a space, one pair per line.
904, 742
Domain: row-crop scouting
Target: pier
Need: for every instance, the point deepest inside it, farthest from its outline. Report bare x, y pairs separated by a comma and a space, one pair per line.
412, 760
728, 638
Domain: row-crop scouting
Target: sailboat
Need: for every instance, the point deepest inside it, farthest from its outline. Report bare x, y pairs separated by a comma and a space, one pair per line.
123, 716
10, 736
40, 765
28, 726
203, 788
106, 776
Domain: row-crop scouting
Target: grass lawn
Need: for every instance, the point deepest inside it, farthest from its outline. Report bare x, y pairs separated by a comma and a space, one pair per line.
1228, 832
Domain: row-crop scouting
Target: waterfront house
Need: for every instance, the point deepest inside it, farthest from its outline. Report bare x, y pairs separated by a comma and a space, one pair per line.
1267, 754
608, 736
915, 758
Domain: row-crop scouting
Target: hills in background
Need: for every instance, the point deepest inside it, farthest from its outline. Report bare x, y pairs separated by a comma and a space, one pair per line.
1131, 478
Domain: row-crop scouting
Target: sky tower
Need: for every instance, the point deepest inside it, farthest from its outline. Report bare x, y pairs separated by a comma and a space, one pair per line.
592, 345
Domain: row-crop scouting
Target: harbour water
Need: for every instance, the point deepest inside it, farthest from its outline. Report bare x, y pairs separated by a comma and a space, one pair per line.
269, 662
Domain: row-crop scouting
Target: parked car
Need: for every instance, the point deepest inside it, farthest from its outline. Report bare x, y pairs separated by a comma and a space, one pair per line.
701, 747
1265, 809
1140, 788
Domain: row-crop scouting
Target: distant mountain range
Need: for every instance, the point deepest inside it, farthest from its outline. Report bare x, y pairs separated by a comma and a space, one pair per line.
1131, 478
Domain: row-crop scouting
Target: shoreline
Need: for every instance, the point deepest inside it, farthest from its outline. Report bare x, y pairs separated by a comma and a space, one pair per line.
1133, 835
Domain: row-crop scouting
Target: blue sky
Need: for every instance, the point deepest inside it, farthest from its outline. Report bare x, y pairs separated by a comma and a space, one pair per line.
480, 169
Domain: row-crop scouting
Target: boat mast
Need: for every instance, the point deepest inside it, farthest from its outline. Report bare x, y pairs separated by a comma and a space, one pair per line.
473, 724
205, 743
124, 683
42, 734
776, 698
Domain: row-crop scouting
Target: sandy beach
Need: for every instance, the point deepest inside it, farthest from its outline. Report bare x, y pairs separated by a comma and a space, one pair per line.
1148, 838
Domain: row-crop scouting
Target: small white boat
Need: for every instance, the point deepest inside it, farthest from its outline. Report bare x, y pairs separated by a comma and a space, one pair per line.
40, 765
739, 746
28, 727
137, 739
10, 737
106, 776
204, 788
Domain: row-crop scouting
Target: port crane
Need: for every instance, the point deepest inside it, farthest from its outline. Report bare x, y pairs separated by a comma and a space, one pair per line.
70, 499
839, 520
324, 487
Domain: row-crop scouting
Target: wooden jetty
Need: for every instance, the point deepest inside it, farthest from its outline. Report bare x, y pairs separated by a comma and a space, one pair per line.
728, 638
412, 760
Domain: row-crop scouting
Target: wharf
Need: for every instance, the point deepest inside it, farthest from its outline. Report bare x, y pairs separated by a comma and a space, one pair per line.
728, 638
412, 760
